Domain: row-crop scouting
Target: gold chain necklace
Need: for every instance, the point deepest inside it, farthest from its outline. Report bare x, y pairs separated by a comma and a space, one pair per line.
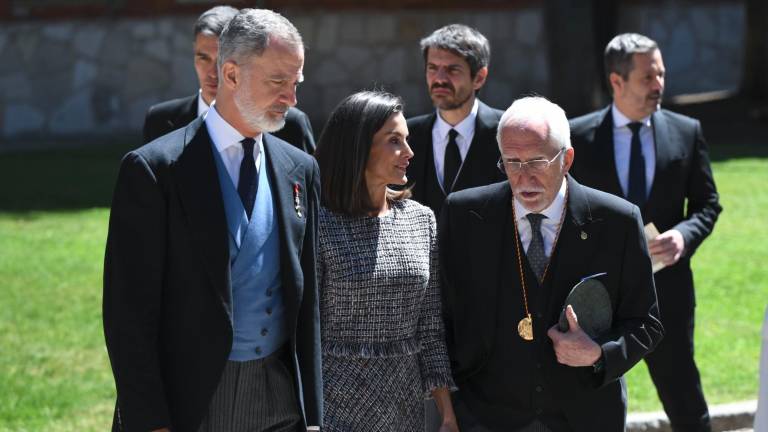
525, 326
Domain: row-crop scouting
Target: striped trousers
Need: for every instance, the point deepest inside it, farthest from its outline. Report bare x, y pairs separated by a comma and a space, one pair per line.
255, 396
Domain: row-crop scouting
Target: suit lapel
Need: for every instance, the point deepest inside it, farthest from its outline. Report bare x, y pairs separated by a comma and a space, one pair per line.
418, 169
200, 195
575, 246
489, 222
479, 151
666, 151
605, 156
285, 176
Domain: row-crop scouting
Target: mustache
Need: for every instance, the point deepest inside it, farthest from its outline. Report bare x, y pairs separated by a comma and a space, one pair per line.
280, 108
446, 85
529, 190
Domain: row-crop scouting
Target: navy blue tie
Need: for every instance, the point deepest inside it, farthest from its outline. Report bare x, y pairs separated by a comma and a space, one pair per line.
636, 189
247, 184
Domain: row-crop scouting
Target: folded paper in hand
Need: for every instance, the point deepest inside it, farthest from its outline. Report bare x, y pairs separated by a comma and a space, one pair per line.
592, 305
651, 232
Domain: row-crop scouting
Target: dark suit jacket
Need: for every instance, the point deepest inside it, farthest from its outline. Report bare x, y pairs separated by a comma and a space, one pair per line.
174, 114
478, 169
167, 303
600, 233
682, 173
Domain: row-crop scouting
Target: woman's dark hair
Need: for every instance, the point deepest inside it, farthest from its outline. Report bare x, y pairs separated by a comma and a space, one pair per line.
344, 147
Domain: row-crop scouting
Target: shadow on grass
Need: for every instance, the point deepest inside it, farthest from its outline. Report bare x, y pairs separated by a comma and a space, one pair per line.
60, 178
57, 176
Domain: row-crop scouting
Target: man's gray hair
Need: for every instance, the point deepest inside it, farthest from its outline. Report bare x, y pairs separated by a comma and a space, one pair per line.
537, 108
249, 33
213, 21
620, 50
464, 41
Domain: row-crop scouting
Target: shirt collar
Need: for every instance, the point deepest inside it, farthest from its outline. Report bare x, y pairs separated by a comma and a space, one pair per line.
465, 127
202, 107
222, 133
553, 212
620, 120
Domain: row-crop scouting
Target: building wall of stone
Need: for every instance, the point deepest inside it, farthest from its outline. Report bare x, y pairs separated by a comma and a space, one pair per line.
702, 45
97, 77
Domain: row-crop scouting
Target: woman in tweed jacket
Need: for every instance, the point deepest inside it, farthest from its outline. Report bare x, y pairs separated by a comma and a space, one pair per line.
382, 333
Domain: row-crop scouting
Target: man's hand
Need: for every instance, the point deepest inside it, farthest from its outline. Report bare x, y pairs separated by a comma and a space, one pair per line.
667, 246
574, 347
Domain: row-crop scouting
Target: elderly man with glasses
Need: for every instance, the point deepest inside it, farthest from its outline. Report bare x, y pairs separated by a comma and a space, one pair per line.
510, 254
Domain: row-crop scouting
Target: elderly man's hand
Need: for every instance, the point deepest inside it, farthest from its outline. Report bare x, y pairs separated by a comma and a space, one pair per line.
574, 347
668, 246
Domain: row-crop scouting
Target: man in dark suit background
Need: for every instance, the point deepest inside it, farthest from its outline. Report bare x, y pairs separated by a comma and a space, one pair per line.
510, 254
658, 160
210, 298
174, 114
454, 147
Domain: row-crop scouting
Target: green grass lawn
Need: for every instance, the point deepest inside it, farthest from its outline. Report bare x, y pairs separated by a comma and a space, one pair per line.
54, 371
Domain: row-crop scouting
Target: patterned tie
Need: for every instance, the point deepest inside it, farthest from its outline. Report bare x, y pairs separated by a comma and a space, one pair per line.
247, 184
636, 189
451, 161
535, 253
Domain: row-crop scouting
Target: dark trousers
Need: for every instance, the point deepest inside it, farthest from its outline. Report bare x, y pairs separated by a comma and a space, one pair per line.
672, 366
255, 396
468, 422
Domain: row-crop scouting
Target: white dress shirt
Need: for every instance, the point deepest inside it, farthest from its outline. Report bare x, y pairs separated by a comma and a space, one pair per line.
466, 130
202, 107
227, 139
549, 225
622, 149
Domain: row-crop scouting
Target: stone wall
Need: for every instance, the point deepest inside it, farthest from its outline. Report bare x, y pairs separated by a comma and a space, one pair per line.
97, 77
702, 45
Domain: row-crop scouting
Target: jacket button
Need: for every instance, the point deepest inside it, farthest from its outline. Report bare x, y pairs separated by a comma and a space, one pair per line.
269, 311
264, 332
539, 389
258, 350
269, 293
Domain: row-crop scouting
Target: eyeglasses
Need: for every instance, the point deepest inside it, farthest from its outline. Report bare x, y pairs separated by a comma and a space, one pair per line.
535, 166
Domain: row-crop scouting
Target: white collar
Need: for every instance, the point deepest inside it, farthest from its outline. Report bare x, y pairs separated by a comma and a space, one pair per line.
202, 107
620, 120
222, 133
465, 127
553, 212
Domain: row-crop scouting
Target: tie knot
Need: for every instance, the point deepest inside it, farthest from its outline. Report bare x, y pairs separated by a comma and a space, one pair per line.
452, 134
248, 144
535, 220
635, 127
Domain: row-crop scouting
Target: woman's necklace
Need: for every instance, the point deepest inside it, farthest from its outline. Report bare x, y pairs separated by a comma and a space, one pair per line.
525, 326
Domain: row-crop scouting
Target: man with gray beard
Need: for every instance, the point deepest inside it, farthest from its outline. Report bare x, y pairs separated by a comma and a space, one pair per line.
210, 298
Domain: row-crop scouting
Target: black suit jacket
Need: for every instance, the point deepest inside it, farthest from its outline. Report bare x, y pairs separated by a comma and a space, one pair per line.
174, 114
682, 174
478, 169
167, 304
600, 233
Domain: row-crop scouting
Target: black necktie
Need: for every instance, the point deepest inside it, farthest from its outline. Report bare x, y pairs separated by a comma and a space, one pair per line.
451, 161
535, 253
636, 188
247, 184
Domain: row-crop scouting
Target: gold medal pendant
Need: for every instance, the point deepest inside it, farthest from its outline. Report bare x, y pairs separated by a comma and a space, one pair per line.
525, 328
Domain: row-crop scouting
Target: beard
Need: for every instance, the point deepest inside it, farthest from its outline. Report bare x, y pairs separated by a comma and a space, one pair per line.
456, 101
255, 117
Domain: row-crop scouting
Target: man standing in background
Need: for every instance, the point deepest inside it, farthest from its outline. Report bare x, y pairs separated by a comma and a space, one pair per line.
454, 147
658, 160
174, 114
